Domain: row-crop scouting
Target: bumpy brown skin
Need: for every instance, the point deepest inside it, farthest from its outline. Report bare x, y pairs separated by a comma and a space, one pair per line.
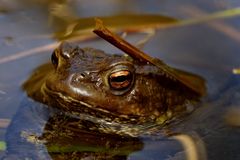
79, 82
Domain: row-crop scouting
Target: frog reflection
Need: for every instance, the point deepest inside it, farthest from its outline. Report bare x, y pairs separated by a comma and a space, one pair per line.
66, 139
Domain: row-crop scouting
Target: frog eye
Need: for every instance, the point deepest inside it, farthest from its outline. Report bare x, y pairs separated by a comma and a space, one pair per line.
54, 59
120, 80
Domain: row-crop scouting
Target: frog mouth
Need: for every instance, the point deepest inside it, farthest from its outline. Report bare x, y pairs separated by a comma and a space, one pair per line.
103, 120
57, 96
74, 106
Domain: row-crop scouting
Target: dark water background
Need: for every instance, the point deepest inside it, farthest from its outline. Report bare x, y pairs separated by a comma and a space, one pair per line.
203, 49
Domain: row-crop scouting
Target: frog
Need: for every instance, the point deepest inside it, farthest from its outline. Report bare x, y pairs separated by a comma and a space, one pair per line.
115, 89
109, 94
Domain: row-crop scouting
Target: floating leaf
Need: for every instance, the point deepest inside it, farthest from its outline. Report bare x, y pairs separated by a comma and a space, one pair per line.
128, 22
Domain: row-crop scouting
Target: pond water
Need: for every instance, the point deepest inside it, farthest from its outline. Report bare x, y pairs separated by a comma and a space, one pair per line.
209, 49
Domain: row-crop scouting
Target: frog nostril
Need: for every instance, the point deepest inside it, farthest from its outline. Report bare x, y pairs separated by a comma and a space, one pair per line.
79, 77
82, 75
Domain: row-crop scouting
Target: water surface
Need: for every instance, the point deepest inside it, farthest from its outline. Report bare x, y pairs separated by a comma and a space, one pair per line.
202, 49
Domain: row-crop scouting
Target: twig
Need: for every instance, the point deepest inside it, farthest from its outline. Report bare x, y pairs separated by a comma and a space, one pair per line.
120, 43
193, 82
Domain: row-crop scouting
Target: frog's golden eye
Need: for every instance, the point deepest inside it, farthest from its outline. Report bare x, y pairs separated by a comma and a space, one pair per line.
120, 80
54, 59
